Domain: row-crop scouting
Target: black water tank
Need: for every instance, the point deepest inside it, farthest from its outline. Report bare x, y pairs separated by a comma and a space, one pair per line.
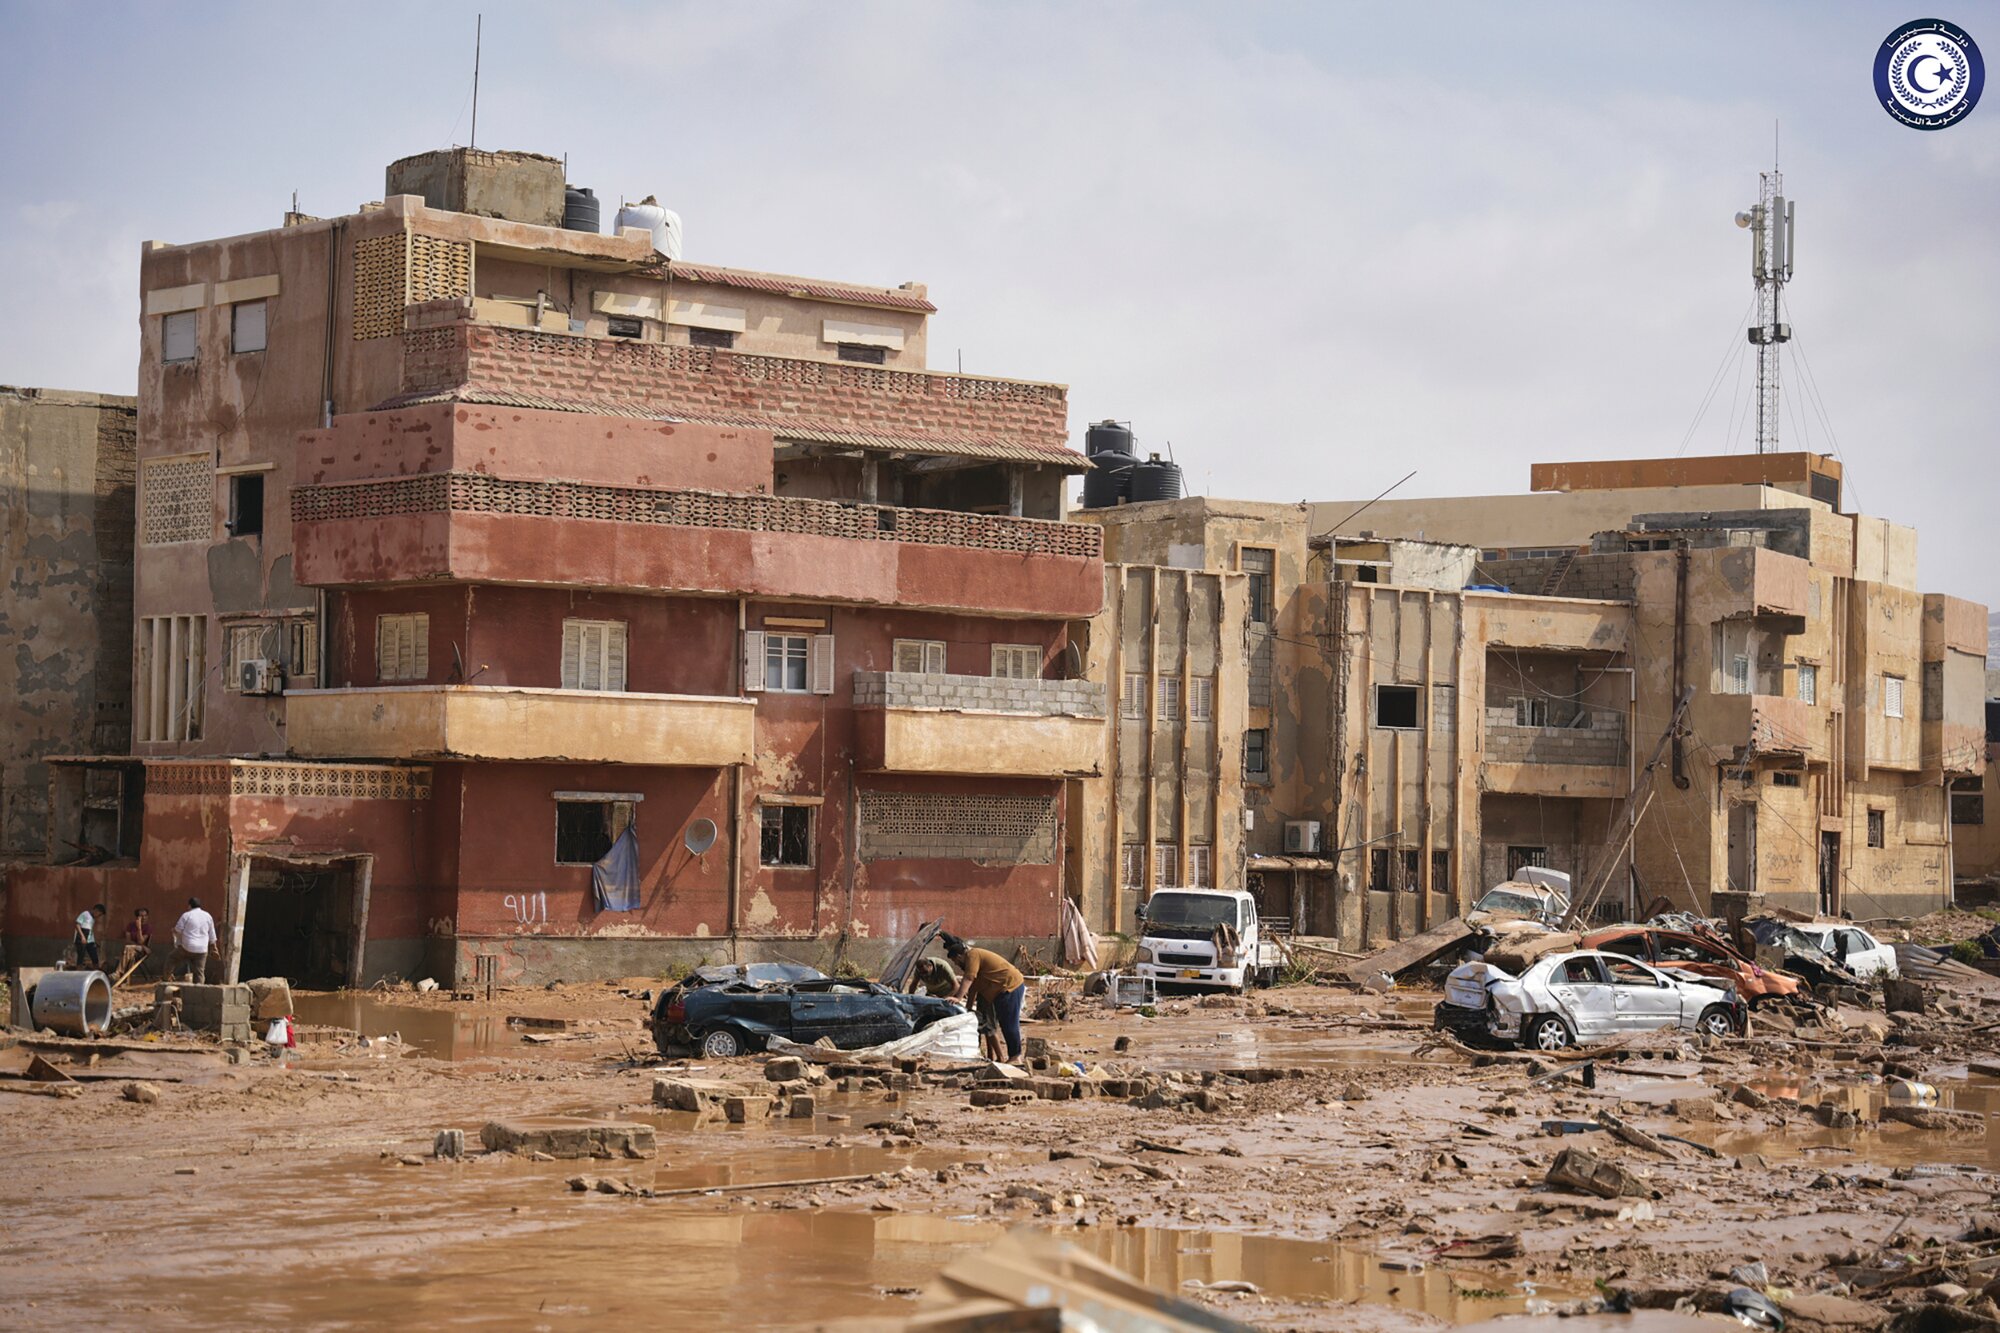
579, 210
1155, 480
1109, 480
1108, 437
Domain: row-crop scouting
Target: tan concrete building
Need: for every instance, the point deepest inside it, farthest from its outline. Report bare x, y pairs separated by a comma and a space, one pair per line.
66, 480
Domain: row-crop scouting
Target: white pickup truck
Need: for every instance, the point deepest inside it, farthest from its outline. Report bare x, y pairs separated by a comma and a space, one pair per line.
1208, 938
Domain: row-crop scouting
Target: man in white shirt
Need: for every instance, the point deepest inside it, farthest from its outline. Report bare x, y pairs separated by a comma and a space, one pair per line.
194, 937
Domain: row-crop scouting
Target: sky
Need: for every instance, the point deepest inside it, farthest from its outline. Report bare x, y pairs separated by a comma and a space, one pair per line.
1306, 247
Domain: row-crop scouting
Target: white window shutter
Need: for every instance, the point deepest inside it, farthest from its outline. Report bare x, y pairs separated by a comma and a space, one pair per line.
592, 677
933, 657
822, 664
614, 656
909, 656
420, 637
572, 655
753, 661
385, 648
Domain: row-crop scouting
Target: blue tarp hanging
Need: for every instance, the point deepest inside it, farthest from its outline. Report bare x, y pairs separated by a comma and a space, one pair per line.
615, 877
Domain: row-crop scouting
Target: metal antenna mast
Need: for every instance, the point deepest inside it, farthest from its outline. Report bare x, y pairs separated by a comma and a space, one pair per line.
1773, 230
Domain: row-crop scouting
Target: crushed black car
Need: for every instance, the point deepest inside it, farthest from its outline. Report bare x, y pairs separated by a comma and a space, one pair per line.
736, 1009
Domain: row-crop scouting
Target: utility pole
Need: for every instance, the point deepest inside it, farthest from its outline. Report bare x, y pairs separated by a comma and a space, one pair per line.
1772, 226
478, 35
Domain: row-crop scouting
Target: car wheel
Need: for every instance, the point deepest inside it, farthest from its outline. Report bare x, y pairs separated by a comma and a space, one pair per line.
721, 1044
1550, 1033
1716, 1022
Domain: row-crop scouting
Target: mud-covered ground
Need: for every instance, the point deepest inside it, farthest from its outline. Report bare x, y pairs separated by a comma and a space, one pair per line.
1383, 1182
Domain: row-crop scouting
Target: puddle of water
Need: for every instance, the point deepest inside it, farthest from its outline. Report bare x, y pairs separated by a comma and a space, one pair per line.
1886, 1144
1168, 1044
434, 1032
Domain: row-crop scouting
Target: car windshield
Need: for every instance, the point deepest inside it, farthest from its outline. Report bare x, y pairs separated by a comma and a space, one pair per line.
1203, 911
1506, 900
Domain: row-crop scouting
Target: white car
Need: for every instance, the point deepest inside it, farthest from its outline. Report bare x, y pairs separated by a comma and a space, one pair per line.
1568, 998
1852, 947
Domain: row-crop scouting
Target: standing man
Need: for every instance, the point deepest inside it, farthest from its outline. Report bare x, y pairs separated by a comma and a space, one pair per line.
194, 936
86, 937
990, 979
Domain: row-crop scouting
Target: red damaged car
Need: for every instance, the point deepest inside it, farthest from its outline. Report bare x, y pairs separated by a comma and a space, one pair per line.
1698, 955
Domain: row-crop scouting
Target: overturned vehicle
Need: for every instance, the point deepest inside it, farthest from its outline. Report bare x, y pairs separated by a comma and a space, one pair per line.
739, 1008
1561, 999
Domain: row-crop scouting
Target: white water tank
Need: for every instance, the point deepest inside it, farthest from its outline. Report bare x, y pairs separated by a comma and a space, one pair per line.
663, 223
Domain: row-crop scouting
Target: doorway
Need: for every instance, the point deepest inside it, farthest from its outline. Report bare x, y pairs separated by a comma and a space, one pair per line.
1829, 874
299, 923
1743, 847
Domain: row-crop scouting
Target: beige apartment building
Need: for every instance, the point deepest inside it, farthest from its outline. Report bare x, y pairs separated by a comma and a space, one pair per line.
1420, 718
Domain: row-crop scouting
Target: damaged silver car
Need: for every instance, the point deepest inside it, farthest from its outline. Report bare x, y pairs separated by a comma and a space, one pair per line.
1564, 999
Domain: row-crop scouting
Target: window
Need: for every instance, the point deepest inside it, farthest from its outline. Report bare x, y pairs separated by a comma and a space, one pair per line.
246, 504
1133, 705
1932, 702
625, 326
1968, 801
246, 643
1396, 707
1259, 563
1625, 973
1163, 865
1808, 683
1413, 874
1582, 972
1170, 698
178, 336
246, 326
785, 835
1892, 696
787, 663
1201, 865
1784, 779
1525, 856
1201, 699
866, 355
1378, 870
1738, 679
1878, 832
587, 825
593, 655
1631, 946
1257, 753
700, 337
920, 657
1017, 661
302, 649
1132, 864
1441, 872
172, 667
1531, 712
403, 648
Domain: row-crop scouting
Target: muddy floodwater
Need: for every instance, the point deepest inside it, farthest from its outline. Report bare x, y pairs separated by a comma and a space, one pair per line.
1361, 1178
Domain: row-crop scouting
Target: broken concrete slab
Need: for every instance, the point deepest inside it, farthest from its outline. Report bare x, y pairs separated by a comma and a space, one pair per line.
697, 1095
1582, 1170
567, 1139
741, 1110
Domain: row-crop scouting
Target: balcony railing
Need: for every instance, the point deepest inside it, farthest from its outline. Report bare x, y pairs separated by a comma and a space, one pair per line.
978, 694
464, 492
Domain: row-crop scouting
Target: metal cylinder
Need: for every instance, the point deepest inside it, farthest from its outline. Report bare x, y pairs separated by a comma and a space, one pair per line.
74, 1004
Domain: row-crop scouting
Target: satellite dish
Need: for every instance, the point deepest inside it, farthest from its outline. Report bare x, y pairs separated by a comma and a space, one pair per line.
700, 836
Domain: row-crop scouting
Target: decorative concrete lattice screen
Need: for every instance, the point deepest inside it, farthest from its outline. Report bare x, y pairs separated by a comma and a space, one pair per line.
922, 826
346, 782
462, 492
394, 271
176, 500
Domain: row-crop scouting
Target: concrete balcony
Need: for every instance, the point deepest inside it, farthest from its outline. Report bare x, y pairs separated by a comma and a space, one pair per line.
1762, 724
507, 722
470, 528
1584, 761
978, 726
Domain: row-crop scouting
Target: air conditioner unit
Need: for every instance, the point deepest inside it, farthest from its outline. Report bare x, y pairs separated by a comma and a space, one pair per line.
260, 675
1302, 837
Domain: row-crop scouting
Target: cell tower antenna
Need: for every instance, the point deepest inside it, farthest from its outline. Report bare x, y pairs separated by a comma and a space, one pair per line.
1772, 224
478, 40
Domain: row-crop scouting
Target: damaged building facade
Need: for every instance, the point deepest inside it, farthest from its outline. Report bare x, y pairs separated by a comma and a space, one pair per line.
66, 472
468, 543
1412, 704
